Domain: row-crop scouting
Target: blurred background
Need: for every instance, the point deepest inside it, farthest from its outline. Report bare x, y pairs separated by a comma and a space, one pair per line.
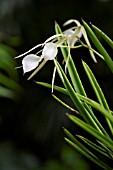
31, 121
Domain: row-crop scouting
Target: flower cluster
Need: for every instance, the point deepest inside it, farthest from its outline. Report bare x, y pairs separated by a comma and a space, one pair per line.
50, 48
31, 61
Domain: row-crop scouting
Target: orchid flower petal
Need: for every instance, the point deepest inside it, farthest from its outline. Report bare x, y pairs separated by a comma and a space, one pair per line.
72, 20
72, 35
49, 51
53, 78
30, 62
53, 38
21, 55
70, 39
88, 43
78, 31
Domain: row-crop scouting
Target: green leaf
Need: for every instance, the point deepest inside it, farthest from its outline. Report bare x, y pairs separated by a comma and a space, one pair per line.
98, 125
74, 96
95, 147
84, 151
98, 92
95, 133
98, 107
57, 88
64, 104
94, 104
7, 62
96, 87
71, 92
5, 92
88, 108
10, 83
99, 46
75, 77
103, 35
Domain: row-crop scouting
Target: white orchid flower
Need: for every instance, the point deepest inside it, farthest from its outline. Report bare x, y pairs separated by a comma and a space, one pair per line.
78, 32
31, 61
73, 36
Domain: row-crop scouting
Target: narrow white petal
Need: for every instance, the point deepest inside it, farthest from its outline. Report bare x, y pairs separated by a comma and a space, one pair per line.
53, 78
78, 32
88, 43
53, 37
21, 55
30, 62
72, 20
50, 51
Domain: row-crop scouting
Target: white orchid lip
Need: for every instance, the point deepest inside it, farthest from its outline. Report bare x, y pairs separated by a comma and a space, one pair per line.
50, 51
30, 62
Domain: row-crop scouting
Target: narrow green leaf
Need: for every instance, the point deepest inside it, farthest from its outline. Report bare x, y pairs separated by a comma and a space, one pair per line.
98, 91
72, 138
99, 46
85, 99
8, 82
103, 35
81, 146
84, 151
57, 88
79, 105
5, 92
98, 107
95, 147
7, 62
95, 133
96, 87
94, 159
88, 108
71, 92
98, 125
64, 104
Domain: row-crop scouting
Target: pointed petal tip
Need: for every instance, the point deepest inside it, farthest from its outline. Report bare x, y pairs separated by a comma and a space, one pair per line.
82, 60
91, 24
82, 20
28, 78
62, 127
55, 22
95, 60
67, 114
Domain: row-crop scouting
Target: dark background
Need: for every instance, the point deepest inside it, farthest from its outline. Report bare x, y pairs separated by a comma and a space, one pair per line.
31, 135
